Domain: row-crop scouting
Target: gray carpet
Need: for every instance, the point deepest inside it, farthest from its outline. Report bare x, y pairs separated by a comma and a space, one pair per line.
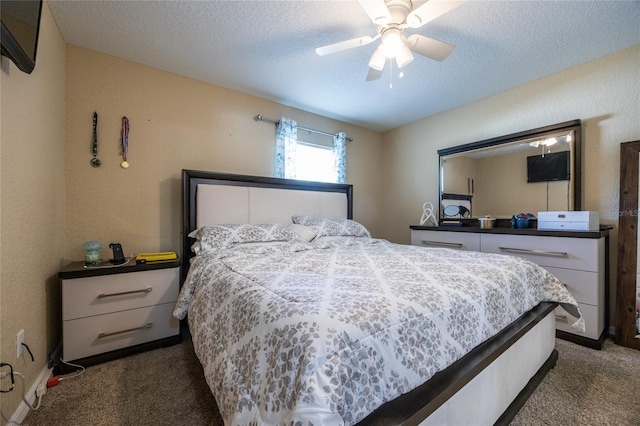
167, 387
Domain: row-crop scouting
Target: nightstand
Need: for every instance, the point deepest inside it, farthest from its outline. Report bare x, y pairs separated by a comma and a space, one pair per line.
116, 311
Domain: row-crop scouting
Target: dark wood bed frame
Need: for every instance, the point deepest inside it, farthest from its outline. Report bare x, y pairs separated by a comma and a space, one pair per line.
413, 407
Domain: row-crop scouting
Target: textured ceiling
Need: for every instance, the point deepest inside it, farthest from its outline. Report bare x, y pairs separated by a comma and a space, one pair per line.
266, 49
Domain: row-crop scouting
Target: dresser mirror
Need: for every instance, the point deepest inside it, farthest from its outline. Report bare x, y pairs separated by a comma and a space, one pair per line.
628, 285
531, 171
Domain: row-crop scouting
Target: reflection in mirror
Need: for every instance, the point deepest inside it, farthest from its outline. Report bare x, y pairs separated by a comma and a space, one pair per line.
527, 172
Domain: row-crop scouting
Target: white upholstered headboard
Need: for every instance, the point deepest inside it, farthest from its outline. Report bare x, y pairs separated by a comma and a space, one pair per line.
216, 204
210, 198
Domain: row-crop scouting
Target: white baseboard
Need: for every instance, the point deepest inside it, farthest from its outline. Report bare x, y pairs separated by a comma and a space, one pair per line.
23, 409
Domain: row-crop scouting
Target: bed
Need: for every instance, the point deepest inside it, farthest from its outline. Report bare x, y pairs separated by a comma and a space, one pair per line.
318, 323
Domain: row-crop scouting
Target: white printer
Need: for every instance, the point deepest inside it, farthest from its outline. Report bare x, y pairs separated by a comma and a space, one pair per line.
569, 221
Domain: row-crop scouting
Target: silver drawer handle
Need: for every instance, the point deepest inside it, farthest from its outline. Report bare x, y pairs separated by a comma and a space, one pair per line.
533, 251
103, 335
440, 243
562, 318
144, 290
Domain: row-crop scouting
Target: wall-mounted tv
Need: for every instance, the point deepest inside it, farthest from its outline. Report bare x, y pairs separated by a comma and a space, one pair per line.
549, 167
19, 33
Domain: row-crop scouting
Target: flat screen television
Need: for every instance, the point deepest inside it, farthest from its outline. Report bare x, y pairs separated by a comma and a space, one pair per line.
549, 167
20, 28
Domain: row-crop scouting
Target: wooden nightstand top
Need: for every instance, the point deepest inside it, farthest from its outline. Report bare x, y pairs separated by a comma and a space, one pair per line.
78, 269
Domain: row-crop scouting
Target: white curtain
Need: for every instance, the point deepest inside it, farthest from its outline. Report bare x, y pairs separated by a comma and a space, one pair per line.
285, 152
340, 157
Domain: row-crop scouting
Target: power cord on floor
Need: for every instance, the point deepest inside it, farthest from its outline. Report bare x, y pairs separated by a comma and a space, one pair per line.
24, 393
55, 380
42, 387
12, 373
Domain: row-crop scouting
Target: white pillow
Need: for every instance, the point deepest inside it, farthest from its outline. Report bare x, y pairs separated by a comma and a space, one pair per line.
305, 233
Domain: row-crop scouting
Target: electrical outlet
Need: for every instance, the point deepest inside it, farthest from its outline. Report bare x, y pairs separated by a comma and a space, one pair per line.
20, 340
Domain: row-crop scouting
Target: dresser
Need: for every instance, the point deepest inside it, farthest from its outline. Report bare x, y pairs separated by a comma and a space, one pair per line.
578, 259
115, 311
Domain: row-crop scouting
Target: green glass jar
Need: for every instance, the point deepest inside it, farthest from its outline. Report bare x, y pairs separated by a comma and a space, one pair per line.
92, 252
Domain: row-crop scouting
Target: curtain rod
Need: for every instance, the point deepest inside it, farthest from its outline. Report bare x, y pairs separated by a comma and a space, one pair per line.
260, 117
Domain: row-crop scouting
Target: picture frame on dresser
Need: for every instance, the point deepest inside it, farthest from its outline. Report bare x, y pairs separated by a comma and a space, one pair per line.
627, 287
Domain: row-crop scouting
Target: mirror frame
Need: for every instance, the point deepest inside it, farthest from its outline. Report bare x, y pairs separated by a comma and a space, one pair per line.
576, 165
627, 246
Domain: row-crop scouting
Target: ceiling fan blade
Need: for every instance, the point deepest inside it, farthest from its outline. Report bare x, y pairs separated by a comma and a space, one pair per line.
344, 45
377, 11
429, 47
430, 11
374, 74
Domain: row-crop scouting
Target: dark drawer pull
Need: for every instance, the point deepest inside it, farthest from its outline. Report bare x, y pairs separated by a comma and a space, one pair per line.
113, 333
441, 243
122, 293
537, 252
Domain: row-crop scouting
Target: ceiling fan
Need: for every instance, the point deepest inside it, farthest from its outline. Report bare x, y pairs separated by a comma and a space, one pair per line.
392, 17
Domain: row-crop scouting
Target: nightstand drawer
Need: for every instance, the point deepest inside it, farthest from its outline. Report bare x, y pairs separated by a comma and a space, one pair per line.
89, 296
103, 333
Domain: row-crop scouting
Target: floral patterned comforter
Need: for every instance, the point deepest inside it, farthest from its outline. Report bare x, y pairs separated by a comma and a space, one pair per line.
325, 332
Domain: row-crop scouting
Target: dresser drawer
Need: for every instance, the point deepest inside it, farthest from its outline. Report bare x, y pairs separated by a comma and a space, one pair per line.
88, 296
586, 287
103, 333
444, 239
593, 320
583, 254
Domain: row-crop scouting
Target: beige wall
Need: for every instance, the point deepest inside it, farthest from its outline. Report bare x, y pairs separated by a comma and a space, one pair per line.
32, 206
175, 123
604, 94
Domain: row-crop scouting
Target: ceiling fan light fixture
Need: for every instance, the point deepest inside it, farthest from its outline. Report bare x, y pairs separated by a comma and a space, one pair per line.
391, 17
544, 142
378, 59
404, 56
392, 42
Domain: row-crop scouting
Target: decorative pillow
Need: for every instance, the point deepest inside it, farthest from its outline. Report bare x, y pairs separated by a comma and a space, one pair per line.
219, 237
305, 233
333, 227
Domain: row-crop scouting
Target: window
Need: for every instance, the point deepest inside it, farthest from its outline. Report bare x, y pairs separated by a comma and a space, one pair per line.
314, 162
296, 159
